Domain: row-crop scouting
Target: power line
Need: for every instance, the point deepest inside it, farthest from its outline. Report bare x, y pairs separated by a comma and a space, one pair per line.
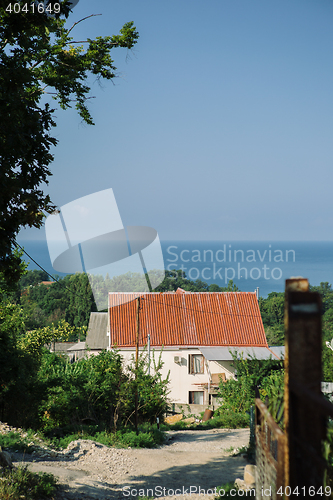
33, 260
201, 311
42, 268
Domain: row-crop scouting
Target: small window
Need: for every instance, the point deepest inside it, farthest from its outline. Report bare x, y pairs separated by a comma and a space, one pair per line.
196, 363
212, 399
196, 398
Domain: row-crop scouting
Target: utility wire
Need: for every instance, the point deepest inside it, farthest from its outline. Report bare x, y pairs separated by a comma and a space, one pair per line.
145, 296
42, 268
33, 260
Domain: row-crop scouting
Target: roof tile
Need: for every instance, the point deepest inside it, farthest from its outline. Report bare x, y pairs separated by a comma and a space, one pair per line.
187, 319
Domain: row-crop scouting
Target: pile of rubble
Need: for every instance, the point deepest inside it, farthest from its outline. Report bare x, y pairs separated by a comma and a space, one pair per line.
249, 481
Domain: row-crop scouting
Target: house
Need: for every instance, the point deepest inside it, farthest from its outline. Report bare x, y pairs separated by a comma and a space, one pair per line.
60, 347
77, 351
97, 338
195, 331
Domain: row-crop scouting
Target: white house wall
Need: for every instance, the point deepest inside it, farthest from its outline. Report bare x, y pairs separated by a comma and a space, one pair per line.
180, 381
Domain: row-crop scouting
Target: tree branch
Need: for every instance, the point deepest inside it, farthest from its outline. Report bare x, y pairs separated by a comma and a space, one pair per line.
83, 19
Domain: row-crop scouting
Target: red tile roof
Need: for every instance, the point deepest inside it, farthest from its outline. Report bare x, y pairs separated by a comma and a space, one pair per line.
187, 319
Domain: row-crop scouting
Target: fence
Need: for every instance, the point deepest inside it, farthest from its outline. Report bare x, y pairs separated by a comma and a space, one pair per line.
292, 462
270, 444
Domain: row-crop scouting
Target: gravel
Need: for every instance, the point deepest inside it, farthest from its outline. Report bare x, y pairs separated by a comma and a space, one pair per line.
189, 460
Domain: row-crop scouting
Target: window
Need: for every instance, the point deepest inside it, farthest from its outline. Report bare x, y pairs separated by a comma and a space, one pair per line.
196, 363
213, 399
196, 398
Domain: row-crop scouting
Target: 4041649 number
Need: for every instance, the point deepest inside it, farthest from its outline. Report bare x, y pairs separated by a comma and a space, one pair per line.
303, 491
34, 7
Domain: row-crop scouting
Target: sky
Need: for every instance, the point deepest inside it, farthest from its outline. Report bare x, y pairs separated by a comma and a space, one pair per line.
219, 125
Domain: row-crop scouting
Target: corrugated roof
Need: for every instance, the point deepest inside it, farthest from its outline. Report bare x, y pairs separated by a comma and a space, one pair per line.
224, 354
80, 346
278, 350
187, 319
97, 331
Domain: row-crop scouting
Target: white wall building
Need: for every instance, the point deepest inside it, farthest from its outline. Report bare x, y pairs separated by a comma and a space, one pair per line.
195, 332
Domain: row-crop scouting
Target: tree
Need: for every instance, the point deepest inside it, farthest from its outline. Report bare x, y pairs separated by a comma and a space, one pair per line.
38, 56
32, 278
272, 313
176, 278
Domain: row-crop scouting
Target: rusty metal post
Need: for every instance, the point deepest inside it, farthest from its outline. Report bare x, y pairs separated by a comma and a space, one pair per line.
137, 361
304, 424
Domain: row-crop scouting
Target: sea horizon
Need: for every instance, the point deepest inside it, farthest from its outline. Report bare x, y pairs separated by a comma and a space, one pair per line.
249, 264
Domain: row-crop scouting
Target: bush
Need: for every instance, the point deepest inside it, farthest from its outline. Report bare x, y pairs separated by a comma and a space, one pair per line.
272, 389
238, 395
228, 419
121, 439
20, 483
100, 390
15, 441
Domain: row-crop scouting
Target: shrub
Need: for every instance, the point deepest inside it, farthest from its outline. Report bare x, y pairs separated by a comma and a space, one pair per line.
15, 441
20, 483
121, 439
227, 419
238, 395
272, 389
100, 390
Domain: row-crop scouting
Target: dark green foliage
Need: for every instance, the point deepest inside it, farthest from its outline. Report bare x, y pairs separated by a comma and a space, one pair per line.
328, 455
10, 291
72, 300
69, 299
17, 368
38, 54
326, 293
148, 437
97, 390
16, 442
80, 299
88, 389
227, 419
141, 440
327, 363
19, 483
272, 393
177, 279
32, 278
238, 395
272, 314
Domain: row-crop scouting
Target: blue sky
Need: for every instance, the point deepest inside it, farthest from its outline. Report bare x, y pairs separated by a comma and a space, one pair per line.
219, 126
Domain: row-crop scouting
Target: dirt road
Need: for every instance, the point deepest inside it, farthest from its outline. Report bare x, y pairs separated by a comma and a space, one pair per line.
188, 461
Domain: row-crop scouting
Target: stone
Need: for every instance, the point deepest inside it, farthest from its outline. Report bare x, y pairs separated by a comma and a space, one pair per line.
189, 420
250, 475
172, 419
5, 459
240, 484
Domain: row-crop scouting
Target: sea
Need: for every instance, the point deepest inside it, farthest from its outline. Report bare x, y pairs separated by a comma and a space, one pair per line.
249, 264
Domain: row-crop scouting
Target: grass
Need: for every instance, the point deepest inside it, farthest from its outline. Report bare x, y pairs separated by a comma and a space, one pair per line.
19, 483
28, 441
149, 437
237, 451
16, 442
119, 439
